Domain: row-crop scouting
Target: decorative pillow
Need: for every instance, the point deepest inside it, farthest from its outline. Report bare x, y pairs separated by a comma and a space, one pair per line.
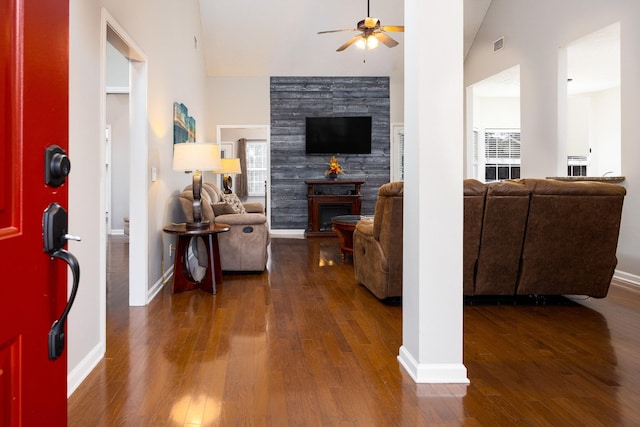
222, 208
234, 202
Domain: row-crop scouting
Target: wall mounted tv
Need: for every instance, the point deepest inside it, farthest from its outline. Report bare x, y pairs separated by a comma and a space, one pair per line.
338, 135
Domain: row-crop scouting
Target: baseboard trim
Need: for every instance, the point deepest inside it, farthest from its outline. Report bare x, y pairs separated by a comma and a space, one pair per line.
434, 373
627, 278
157, 287
84, 368
286, 234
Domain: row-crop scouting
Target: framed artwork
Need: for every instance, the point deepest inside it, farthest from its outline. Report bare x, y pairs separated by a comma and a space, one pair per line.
184, 126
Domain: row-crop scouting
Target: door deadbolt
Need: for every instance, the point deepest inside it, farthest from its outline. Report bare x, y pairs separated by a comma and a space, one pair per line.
56, 165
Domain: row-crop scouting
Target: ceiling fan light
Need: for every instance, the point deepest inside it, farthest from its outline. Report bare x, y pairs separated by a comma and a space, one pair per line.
367, 42
372, 42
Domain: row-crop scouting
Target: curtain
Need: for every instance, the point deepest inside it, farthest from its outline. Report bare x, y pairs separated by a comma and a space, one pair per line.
241, 179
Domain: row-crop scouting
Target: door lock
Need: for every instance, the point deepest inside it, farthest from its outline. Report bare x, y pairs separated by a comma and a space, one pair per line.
56, 166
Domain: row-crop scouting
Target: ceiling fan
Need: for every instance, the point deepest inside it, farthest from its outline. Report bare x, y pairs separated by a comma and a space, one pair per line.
371, 33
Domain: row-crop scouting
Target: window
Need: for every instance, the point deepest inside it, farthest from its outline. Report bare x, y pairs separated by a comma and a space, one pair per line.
502, 154
257, 159
577, 165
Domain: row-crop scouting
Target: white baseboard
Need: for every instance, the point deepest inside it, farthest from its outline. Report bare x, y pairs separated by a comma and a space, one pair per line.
286, 234
433, 373
84, 368
117, 232
157, 287
631, 280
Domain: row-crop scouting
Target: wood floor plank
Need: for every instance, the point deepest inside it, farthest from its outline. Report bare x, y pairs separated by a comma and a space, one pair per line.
303, 344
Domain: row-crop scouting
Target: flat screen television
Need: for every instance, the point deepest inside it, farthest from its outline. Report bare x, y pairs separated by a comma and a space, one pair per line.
338, 135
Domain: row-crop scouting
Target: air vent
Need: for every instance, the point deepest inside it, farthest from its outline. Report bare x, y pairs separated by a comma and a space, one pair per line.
498, 44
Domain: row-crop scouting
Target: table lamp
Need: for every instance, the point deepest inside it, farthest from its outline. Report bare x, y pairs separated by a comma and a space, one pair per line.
196, 157
229, 166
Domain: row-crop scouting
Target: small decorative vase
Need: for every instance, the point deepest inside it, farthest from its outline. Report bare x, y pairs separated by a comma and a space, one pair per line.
332, 175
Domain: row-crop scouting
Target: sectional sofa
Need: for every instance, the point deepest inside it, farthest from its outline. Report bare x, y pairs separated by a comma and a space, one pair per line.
540, 237
521, 237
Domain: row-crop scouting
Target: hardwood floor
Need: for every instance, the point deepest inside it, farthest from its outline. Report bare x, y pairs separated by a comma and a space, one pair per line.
305, 345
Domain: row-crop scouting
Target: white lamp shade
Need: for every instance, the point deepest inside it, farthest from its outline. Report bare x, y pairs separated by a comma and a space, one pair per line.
192, 156
229, 167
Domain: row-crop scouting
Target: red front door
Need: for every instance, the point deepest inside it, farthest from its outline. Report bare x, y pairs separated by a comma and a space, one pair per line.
34, 85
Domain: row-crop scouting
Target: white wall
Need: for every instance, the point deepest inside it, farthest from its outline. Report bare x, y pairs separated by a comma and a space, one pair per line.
117, 82
535, 49
165, 31
605, 133
496, 113
84, 333
118, 118
578, 140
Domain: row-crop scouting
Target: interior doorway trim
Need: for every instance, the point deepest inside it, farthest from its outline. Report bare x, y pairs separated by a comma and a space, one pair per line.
259, 132
113, 32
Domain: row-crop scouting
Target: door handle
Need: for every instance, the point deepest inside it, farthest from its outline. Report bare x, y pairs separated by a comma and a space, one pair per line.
55, 236
56, 334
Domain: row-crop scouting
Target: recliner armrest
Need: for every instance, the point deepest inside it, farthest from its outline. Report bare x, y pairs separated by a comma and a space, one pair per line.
365, 226
242, 219
253, 207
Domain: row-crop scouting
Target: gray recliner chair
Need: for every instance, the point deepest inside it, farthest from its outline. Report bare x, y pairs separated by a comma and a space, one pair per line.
244, 246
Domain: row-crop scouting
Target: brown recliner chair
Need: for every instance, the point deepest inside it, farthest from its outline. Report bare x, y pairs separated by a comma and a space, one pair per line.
377, 244
503, 229
474, 198
571, 237
244, 246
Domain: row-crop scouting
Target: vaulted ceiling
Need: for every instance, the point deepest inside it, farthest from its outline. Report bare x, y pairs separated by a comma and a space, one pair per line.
279, 37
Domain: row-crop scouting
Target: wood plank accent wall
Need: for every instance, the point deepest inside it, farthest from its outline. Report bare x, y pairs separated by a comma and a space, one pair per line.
295, 98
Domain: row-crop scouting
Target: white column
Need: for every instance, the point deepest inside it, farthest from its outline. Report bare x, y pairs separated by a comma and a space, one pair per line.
433, 199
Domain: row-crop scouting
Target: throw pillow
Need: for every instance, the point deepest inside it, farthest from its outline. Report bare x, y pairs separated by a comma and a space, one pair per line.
222, 208
234, 202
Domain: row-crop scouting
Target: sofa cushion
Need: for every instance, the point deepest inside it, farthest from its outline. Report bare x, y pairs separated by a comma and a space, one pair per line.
212, 191
222, 208
503, 228
234, 202
186, 201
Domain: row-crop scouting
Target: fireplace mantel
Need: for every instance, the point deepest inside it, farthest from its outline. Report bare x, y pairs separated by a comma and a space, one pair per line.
334, 197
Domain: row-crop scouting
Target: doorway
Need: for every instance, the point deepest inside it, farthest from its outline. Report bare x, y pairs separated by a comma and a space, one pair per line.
493, 130
258, 159
113, 34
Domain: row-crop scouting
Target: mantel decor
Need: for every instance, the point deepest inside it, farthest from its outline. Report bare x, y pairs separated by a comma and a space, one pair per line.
334, 168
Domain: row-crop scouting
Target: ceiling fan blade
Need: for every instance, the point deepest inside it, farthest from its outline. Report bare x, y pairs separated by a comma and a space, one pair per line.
336, 31
393, 28
388, 41
349, 43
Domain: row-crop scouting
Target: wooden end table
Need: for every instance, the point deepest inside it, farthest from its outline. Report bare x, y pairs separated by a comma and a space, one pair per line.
344, 225
182, 280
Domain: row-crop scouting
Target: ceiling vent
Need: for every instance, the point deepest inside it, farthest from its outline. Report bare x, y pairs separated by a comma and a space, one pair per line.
498, 44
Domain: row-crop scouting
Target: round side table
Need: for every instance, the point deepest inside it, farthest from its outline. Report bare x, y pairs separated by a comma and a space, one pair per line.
182, 279
344, 225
